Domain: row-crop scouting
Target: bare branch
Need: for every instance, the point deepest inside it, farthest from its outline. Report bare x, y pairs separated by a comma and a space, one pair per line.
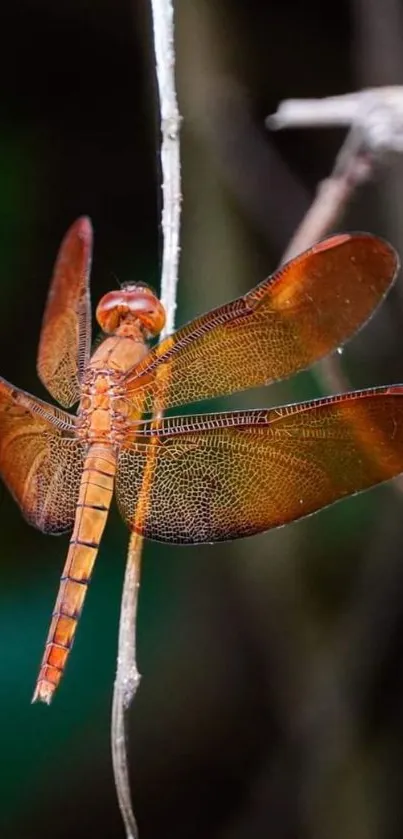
127, 675
127, 680
353, 166
170, 155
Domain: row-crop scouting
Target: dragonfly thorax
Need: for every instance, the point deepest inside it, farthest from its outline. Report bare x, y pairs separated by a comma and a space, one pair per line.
103, 411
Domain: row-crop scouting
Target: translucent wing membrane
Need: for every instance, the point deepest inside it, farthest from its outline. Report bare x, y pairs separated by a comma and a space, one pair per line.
223, 476
65, 342
40, 460
304, 311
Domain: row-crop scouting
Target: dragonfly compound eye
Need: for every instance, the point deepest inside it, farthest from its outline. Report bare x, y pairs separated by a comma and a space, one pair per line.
132, 301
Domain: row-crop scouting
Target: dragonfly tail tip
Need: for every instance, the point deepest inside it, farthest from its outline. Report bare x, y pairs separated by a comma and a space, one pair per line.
43, 693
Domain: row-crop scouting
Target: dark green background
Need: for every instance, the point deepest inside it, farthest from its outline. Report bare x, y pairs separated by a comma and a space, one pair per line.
272, 693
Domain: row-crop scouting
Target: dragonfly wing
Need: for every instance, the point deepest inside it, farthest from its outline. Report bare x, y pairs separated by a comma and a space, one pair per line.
223, 476
40, 459
304, 311
65, 342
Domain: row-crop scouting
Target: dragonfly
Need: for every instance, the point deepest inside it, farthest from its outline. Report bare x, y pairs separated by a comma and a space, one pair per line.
201, 478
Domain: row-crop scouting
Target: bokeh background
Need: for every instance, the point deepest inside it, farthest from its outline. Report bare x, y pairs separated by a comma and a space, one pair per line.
271, 702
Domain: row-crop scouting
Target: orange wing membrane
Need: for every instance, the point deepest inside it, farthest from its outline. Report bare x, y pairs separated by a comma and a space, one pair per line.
308, 308
224, 476
65, 342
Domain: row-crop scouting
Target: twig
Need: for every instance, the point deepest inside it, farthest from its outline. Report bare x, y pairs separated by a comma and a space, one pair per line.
354, 165
170, 155
127, 675
376, 119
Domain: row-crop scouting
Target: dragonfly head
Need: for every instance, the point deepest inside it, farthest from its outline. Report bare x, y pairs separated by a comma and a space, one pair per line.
134, 301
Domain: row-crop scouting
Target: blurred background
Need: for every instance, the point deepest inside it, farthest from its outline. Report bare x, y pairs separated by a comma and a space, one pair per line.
271, 702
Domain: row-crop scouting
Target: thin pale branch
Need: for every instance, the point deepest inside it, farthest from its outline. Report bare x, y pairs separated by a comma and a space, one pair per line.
127, 680
127, 675
170, 155
353, 166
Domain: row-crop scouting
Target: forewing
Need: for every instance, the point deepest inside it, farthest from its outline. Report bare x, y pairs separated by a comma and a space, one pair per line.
41, 460
304, 311
223, 476
65, 342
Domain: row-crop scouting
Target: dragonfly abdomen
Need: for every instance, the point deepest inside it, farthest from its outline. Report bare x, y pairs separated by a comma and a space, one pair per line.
94, 500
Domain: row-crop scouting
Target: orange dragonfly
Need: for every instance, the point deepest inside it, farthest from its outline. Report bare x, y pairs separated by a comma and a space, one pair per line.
202, 478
